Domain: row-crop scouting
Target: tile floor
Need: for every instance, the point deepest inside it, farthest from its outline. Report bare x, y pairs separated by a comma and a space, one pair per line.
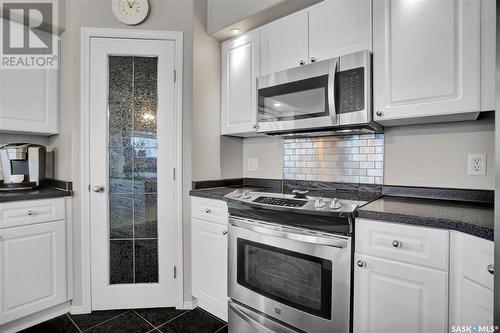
166, 320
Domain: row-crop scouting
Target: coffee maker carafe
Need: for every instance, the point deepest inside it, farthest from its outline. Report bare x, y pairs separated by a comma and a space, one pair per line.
23, 165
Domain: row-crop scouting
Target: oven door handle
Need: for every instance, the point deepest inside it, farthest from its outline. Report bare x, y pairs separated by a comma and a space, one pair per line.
259, 323
331, 89
292, 234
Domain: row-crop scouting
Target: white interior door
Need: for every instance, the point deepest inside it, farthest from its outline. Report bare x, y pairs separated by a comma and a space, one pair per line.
133, 153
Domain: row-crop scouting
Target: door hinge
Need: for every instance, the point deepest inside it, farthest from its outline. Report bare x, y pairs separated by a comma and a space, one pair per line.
174, 174
175, 272
175, 76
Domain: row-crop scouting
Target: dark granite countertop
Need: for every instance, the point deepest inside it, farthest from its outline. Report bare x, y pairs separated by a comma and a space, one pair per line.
41, 193
476, 219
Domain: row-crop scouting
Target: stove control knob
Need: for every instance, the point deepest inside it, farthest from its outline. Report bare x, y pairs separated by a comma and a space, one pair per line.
335, 204
246, 195
319, 203
237, 194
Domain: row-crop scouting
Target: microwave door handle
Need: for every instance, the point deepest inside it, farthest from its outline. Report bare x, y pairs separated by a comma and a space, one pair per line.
331, 89
260, 324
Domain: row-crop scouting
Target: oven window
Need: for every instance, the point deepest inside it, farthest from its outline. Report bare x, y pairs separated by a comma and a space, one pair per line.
295, 100
294, 279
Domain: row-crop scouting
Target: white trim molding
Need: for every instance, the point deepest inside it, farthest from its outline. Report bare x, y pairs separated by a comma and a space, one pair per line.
86, 35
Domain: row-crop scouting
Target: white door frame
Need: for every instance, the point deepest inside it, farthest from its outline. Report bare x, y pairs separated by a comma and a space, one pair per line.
86, 35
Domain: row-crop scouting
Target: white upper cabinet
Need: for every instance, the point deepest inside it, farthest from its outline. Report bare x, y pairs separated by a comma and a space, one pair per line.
284, 43
428, 59
29, 99
240, 67
338, 27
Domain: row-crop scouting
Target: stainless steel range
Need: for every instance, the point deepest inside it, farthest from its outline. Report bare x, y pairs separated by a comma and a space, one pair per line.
289, 262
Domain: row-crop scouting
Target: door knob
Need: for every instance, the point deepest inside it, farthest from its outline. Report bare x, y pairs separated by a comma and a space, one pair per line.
98, 189
360, 263
491, 269
379, 113
396, 243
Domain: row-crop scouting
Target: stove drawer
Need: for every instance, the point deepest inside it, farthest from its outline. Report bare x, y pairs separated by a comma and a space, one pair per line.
410, 244
209, 210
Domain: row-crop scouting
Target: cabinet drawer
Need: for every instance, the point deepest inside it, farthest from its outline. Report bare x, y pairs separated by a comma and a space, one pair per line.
209, 210
478, 255
410, 244
31, 212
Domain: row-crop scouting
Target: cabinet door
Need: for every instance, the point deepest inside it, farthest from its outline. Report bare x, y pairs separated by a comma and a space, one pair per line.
338, 27
477, 304
29, 99
395, 297
426, 60
240, 68
210, 266
32, 269
284, 43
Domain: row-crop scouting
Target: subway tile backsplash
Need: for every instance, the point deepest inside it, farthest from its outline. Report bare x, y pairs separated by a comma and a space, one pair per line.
348, 159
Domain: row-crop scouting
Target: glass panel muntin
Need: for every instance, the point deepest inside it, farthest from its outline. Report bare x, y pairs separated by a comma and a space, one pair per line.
132, 161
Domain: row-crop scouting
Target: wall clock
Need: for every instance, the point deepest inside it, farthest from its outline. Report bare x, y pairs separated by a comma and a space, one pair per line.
131, 12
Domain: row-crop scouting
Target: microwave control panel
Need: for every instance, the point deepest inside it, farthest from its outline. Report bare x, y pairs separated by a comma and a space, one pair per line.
351, 90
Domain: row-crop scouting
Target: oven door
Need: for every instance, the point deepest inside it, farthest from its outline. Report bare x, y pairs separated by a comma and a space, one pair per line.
296, 277
298, 99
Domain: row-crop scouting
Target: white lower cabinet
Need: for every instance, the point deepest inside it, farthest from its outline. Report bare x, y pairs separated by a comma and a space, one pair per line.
32, 269
420, 279
394, 297
400, 278
35, 259
471, 280
209, 257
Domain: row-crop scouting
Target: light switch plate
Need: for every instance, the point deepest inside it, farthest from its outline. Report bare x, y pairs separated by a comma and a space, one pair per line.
476, 165
253, 164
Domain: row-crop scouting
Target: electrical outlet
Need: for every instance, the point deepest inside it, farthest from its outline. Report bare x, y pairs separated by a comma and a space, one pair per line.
253, 164
476, 165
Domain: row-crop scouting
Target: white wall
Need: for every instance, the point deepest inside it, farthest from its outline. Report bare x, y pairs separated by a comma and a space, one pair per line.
436, 155
433, 155
269, 151
174, 15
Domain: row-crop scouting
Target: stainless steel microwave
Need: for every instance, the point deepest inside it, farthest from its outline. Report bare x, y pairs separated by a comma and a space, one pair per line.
330, 95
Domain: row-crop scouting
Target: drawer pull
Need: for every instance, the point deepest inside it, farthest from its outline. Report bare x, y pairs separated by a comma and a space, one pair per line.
30, 213
224, 232
491, 269
208, 210
360, 263
396, 243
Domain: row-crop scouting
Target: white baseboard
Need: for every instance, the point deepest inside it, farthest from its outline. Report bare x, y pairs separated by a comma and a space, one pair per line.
79, 309
37, 318
189, 305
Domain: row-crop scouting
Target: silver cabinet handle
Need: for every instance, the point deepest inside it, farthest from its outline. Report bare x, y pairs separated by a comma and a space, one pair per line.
98, 189
396, 243
208, 210
224, 232
30, 213
379, 113
313, 59
254, 126
360, 263
491, 269
302, 62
